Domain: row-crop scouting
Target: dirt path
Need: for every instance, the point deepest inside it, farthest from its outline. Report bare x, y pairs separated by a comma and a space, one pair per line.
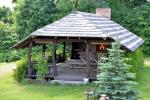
5, 68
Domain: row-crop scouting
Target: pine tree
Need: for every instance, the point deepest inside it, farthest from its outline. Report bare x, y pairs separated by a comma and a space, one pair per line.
114, 78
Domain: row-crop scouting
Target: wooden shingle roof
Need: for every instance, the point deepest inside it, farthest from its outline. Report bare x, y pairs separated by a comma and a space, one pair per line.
82, 24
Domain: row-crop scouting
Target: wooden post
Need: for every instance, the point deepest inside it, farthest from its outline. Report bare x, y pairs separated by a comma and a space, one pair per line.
54, 59
87, 59
43, 51
64, 51
29, 59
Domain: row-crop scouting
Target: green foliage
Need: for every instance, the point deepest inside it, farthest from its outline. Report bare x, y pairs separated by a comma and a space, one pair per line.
4, 14
137, 21
87, 5
41, 67
19, 73
9, 56
137, 60
7, 36
7, 39
135, 3
114, 78
65, 7
33, 14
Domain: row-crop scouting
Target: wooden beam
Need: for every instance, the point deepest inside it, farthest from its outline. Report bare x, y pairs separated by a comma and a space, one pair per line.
106, 43
48, 41
43, 41
54, 59
29, 58
87, 59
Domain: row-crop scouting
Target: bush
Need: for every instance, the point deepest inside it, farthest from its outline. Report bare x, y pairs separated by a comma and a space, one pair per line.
137, 60
21, 69
9, 56
41, 67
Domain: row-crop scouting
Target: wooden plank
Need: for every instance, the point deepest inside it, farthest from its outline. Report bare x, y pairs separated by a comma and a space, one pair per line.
29, 59
54, 59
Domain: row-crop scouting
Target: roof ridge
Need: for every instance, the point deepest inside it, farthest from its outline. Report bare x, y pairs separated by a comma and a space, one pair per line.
103, 32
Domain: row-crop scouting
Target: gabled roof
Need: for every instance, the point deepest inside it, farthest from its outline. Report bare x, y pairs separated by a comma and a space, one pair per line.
82, 24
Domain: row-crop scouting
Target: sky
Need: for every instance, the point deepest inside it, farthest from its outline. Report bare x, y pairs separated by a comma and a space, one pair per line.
6, 3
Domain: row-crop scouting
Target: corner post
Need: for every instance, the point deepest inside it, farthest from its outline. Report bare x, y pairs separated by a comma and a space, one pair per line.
29, 59
54, 58
64, 51
43, 51
87, 58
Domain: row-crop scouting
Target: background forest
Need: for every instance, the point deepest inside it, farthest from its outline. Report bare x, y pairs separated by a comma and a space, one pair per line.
29, 15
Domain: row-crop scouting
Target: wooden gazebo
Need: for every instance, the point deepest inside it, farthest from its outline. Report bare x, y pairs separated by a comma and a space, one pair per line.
89, 34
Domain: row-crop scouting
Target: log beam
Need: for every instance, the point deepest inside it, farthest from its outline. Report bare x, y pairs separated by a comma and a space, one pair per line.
87, 59
43, 51
64, 51
29, 59
54, 59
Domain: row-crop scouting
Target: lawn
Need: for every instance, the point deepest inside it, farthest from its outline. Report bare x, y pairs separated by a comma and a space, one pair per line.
10, 90
143, 78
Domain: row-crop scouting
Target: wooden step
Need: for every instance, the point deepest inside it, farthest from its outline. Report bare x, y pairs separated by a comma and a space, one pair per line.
67, 82
67, 78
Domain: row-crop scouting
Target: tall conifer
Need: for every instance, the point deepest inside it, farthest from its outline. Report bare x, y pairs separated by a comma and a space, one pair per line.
114, 78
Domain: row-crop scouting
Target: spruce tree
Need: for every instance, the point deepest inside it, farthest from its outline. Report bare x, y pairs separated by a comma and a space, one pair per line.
114, 78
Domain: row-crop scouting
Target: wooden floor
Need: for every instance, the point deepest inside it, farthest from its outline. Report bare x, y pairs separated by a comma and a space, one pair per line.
66, 72
72, 70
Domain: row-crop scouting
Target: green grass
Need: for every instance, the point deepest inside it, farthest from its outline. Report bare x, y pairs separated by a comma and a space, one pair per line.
10, 90
143, 78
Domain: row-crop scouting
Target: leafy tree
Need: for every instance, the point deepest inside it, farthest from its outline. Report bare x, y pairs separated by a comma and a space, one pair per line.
7, 39
64, 7
137, 2
88, 5
7, 36
137, 21
33, 14
4, 14
114, 78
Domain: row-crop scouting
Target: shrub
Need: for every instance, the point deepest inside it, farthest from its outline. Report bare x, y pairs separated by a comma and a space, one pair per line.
137, 60
21, 69
9, 56
41, 68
